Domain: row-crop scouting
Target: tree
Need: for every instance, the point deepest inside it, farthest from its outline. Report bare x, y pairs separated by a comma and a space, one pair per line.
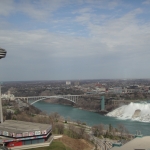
98, 130
9, 115
101, 129
95, 147
54, 117
121, 129
127, 133
60, 128
95, 130
110, 128
72, 131
78, 122
81, 132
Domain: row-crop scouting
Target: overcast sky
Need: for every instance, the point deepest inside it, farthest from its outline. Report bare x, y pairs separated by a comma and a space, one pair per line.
74, 39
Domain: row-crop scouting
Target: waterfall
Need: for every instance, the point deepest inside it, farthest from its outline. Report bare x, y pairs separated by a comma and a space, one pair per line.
133, 111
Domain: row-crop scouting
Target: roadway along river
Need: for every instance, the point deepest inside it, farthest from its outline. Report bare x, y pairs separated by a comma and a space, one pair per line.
91, 118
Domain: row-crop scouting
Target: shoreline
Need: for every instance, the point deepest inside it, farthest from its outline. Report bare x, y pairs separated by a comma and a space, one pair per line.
95, 111
114, 121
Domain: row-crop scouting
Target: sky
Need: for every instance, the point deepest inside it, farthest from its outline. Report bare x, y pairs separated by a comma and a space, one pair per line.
74, 39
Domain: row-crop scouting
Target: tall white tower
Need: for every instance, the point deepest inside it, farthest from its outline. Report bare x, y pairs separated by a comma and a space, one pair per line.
2, 55
1, 109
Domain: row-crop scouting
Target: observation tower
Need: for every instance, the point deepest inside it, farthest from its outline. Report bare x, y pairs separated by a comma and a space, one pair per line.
2, 55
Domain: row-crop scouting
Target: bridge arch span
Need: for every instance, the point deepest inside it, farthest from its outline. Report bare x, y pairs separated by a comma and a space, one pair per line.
71, 99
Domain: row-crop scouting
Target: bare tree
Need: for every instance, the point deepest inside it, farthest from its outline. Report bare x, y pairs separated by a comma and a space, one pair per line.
101, 128
60, 128
121, 129
95, 130
98, 130
81, 132
78, 122
73, 131
54, 117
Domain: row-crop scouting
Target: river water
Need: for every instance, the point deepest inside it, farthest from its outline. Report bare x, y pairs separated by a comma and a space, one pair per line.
91, 118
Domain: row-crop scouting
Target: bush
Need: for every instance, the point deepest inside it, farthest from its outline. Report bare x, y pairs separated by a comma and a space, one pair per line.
17, 111
83, 123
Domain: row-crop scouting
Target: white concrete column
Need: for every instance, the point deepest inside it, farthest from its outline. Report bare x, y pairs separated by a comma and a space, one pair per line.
1, 109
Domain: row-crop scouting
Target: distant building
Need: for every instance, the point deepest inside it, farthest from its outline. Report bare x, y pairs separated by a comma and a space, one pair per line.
117, 90
101, 89
124, 90
77, 83
8, 96
98, 84
68, 82
110, 90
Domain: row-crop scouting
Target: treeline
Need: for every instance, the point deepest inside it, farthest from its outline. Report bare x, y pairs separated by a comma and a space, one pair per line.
75, 130
108, 131
58, 125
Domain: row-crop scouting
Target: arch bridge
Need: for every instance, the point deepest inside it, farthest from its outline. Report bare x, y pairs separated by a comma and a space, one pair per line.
34, 99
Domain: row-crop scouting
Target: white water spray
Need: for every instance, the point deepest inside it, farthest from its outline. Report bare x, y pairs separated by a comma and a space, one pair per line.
133, 111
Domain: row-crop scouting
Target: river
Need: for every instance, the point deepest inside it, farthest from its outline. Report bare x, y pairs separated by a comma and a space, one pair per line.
91, 118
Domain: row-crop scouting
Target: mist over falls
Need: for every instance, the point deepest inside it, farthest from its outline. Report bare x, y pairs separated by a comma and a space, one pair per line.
133, 111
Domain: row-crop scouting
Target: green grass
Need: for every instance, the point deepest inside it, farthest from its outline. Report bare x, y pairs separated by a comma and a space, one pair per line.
55, 145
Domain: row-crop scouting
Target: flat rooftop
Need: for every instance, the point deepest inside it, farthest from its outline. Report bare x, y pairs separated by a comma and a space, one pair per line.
23, 128
137, 143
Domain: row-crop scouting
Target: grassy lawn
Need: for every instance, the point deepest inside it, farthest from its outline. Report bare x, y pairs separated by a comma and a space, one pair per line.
55, 145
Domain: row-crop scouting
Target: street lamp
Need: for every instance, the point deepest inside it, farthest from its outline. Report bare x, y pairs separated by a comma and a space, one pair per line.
2, 55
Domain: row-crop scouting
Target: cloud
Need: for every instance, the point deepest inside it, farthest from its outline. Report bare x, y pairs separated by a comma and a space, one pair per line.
119, 31
84, 18
53, 45
39, 9
6, 7
116, 34
146, 2
73, 38
104, 39
90, 9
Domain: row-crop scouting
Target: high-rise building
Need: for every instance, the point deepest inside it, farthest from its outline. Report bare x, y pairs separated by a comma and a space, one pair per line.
68, 82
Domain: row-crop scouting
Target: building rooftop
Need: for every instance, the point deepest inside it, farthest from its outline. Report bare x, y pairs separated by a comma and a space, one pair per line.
14, 128
137, 143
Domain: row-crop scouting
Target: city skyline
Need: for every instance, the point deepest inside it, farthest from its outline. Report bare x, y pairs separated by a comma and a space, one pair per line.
83, 39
